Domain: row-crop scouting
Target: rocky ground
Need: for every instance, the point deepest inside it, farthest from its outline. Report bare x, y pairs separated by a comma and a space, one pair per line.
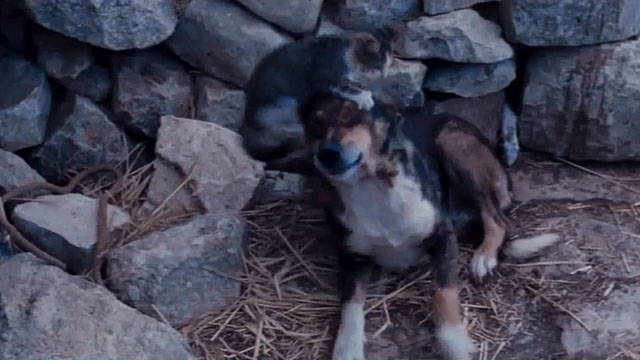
208, 255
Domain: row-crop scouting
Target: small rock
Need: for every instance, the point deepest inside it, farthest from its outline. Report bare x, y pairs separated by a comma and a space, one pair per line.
71, 63
24, 104
48, 314
223, 39
164, 181
402, 85
71, 234
224, 176
15, 27
484, 112
434, 7
582, 103
294, 16
15, 172
218, 103
460, 36
181, 273
614, 323
111, 24
370, 14
569, 22
471, 80
81, 136
279, 186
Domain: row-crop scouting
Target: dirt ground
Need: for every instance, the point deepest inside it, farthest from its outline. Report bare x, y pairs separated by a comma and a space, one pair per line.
577, 300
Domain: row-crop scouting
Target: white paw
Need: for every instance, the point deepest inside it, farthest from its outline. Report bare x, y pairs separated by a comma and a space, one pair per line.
349, 345
455, 342
482, 266
365, 100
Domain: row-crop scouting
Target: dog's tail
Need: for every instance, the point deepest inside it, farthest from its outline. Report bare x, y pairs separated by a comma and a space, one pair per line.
527, 247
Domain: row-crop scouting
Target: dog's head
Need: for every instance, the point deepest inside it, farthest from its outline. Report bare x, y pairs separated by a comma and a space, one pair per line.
346, 143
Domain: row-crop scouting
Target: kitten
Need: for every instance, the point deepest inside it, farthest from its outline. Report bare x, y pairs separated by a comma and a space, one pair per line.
285, 80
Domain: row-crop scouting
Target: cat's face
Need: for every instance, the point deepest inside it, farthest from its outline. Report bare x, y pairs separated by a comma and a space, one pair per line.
372, 52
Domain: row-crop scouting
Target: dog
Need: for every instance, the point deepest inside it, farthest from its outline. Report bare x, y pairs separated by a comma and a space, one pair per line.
285, 80
387, 177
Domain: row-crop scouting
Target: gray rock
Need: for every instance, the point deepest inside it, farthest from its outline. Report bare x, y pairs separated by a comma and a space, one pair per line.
15, 172
223, 175
163, 184
460, 36
327, 27
370, 14
402, 85
24, 104
223, 39
111, 24
471, 80
569, 22
71, 234
218, 103
81, 136
48, 314
614, 322
434, 7
71, 63
295, 16
583, 103
484, 112
280, 186
147, 85
181, 273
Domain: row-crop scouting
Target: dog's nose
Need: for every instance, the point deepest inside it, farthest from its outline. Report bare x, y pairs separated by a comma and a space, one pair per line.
329, 155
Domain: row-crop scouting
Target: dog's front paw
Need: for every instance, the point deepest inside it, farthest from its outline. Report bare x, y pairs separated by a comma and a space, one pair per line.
455, 342
349, 345
482, 266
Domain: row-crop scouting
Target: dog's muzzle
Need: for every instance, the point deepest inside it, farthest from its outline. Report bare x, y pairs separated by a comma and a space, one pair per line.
336, 159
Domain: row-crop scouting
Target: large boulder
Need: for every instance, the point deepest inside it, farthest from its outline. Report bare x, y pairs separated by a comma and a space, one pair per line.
223, 39
111, 24
222, 175
15, 172
81, 136
48, 314
295, 16
402, 85
71, 234
24, 104
148, 84
219, 103
71, 63
471, 80
583, 103
569, 22
460, 36
168, 194
183, 272
370, 14
434, 7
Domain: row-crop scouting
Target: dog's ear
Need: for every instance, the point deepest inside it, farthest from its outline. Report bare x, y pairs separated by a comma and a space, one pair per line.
366, 44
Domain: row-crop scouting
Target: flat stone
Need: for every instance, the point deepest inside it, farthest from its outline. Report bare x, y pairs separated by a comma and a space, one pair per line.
614, 323
434, 7
164, 181
485, 112
471, 80
15, 172
115, 25
223, 175
81, 136
179, 273
582, 103
71, 234
48, 314
402, 85
24, 105
280, 186
294, 16
370, 14
569, 22
149, 84
223, 39
460, 36
219, 103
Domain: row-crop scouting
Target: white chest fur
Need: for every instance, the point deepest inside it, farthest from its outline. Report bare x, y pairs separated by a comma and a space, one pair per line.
388, 224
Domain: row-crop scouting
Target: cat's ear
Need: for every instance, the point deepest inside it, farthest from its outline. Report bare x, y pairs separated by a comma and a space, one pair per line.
395, 30
366, 43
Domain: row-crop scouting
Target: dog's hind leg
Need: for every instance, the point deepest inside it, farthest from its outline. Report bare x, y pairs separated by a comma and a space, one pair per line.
495, 224
355, 274
450, 330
